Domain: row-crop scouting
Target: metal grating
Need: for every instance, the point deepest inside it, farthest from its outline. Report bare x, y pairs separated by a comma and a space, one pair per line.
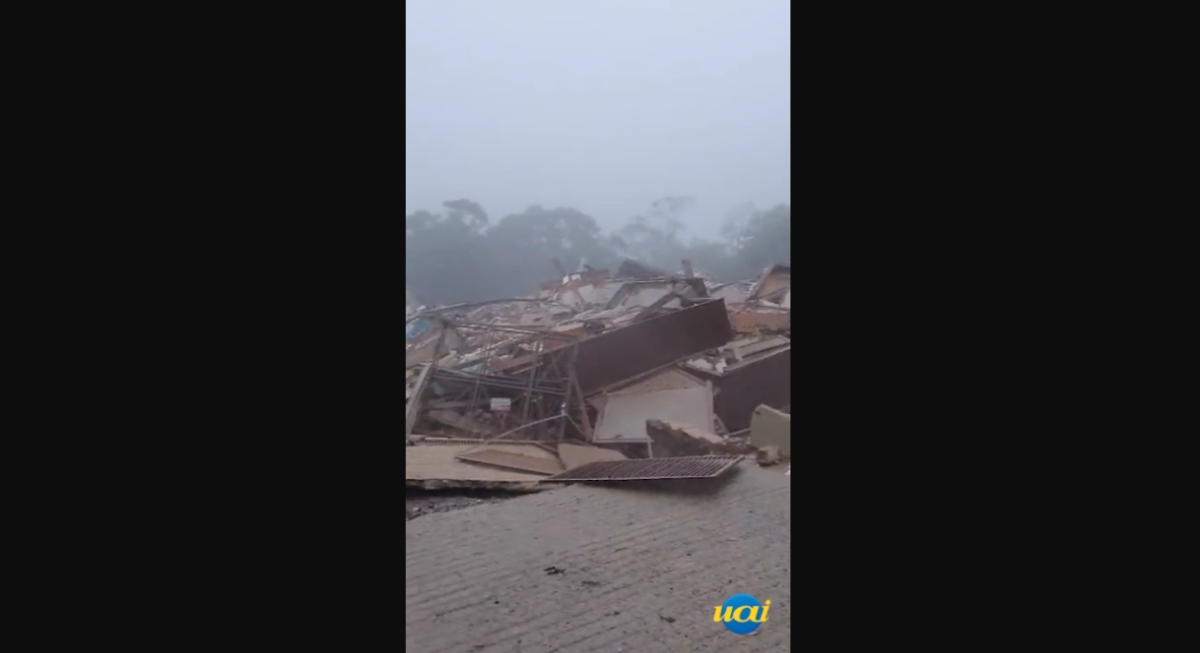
649, 469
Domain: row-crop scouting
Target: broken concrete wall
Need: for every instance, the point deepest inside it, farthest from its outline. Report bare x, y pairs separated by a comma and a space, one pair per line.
771, 428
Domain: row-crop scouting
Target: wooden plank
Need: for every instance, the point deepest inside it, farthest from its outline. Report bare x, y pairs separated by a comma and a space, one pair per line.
509, 460
576, 455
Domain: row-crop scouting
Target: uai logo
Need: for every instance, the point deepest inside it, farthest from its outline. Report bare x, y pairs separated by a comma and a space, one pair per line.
741, 614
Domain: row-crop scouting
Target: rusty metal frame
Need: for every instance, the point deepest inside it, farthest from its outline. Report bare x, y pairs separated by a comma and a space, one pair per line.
542, 385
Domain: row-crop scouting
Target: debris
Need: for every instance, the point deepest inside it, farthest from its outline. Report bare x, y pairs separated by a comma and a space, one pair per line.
764, 378
412, 406
633, 270
511, 460
760, 319
623, 418
768, 455
551, 571
668, 363
686, 440
650, 469
576, 455
773, 284
463, 423
617, 356
771, 428
732, 293
432, 466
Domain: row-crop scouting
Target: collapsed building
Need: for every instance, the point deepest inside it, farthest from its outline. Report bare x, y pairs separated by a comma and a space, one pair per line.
593, 368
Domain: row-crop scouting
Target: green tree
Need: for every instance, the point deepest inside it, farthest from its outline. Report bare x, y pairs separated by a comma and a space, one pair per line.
459, 255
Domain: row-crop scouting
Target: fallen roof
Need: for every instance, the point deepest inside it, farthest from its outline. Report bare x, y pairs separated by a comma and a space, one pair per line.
641, 569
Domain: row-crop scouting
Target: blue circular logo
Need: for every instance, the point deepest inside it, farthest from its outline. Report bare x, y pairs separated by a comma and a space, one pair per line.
742, 614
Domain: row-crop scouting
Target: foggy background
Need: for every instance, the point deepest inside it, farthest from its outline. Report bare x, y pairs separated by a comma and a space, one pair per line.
592, 131
601, 105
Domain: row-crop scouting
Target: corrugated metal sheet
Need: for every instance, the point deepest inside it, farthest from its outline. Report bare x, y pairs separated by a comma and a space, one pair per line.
649, 469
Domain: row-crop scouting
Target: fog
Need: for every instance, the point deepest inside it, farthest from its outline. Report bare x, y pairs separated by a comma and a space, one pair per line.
600, 105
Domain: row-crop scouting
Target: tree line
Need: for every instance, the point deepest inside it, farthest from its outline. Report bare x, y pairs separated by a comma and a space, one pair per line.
458, 254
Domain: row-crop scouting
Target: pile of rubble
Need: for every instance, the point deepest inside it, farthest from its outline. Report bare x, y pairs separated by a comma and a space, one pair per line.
597, 367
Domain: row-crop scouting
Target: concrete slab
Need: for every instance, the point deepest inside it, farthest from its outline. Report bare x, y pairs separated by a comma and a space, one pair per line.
433, 466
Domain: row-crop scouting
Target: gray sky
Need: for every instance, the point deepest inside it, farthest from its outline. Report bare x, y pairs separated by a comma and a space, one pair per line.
600, 105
